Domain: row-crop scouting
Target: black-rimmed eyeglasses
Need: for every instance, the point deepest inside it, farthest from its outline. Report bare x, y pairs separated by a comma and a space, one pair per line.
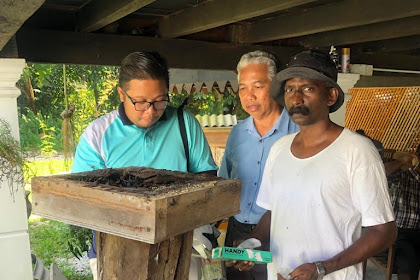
145, 105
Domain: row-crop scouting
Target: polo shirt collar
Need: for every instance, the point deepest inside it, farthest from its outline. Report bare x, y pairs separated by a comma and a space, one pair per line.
250, 126
126, 121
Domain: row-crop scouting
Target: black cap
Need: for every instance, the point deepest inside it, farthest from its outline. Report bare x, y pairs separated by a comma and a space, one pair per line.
311, 65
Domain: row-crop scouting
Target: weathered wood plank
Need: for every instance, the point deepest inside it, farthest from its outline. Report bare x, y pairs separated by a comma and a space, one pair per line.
99, 13
105, 210
196, 207
392, 45
174, 251
106, 49
183, 267
218, 13
147, 215
387, 60
340, 14
366, 33
121, 258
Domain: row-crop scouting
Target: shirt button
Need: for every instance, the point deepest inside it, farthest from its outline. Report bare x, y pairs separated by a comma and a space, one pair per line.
246, 221
249, 203
255, 184
260, 141
258, 162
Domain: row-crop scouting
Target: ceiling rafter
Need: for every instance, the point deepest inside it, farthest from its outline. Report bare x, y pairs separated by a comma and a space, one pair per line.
387, 60
338, 15
216, 13
396, 45
99, 13
110, 49
365, 33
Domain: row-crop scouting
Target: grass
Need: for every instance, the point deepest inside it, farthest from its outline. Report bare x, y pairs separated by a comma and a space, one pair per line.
47, 167
48, 238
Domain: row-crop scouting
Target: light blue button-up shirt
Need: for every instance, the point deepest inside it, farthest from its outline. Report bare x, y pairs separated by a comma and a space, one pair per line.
244, 159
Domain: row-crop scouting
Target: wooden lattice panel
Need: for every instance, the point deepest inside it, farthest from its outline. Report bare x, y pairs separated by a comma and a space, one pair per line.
390, 115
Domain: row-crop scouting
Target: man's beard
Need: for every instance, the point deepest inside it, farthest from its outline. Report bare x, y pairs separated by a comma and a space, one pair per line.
298, 110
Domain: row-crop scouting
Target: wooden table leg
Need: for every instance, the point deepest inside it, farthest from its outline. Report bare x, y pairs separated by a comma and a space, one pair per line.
122, 258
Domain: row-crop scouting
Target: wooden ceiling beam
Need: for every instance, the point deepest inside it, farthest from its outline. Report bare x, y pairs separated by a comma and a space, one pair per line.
392, 45
216, 13
387, 60
13, 14
365, 33
107, 49
338, 15
99, 13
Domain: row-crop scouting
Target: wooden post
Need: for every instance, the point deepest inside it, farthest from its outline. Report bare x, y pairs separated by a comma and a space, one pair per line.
123, 258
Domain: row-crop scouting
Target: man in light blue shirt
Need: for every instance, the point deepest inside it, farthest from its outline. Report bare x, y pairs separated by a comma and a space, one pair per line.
248, 146
144, 131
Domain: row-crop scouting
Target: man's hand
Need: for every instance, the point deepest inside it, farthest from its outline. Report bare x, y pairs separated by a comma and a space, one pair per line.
305, 271
406, 159
409, 160
240, 265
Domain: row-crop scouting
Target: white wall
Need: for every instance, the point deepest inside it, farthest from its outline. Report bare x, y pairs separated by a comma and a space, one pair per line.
15, 254
346, 82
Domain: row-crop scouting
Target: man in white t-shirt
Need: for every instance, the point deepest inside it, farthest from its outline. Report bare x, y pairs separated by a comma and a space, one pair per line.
321, 185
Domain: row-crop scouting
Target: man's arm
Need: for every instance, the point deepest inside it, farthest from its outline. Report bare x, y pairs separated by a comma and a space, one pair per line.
402, 160
374, 240
262, 233
201, 159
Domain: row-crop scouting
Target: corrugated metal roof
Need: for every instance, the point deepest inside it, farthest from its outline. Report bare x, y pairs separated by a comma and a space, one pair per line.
217, 120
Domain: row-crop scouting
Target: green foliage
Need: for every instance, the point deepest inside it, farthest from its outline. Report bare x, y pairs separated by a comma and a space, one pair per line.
40, 133
49, 239
91, 88
49, 243
200, 103
47, 167
80, 239
30, 139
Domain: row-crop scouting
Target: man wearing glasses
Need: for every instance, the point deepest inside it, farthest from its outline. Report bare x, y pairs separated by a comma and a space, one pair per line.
143, 131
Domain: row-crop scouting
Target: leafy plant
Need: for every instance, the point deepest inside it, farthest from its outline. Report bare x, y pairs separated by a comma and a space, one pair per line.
90, 88
48, 240
200, 103
30, 139
80, 239
12, 164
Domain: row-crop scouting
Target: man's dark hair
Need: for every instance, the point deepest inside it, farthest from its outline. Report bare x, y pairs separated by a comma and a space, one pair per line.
143, 66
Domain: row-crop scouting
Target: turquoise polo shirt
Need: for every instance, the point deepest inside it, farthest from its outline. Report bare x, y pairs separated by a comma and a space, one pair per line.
112, 141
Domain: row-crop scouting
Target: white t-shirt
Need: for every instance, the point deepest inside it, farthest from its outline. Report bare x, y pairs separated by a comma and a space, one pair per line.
319, 203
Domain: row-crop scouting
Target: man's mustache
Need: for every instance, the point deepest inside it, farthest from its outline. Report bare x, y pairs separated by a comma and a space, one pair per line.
298, 110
